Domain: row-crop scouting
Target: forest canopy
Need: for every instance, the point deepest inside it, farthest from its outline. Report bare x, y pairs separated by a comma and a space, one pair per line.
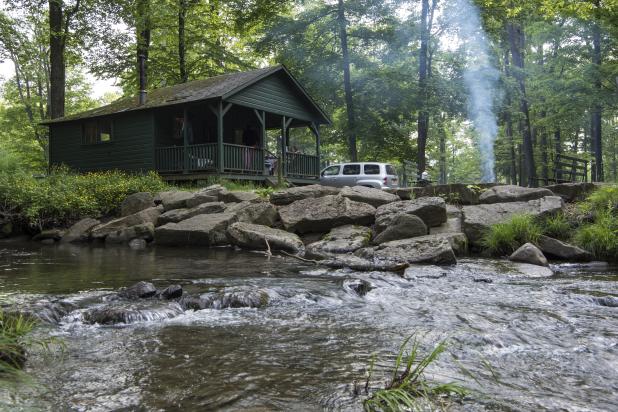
395, 76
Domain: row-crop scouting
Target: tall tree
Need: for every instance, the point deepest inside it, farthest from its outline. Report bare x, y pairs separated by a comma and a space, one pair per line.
143, 29
347, 83
596, 112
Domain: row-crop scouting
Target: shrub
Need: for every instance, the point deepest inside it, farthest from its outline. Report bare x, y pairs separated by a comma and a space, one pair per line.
506, 237
601, 237
604, 199
63, 197
557, 226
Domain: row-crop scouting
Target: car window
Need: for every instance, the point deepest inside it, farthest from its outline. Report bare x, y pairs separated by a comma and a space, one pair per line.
372, 169
390, 170
351, 170
331, 171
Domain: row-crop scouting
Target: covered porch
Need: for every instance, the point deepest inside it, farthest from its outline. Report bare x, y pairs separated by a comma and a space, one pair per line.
233, 141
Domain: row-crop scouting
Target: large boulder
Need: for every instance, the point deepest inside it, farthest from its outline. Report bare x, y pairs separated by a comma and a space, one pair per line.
293, 194
261, 213
434, 249
432, 210
369, 195
512, 193
139, 290
259, 237
402, 226
457, 240
177, 215
399, 254
225, 299
342, 239
80, 231
200, 198
49, 234
173, 199
478, 218
324, 213
458, 193
150, 215
453, 222
572, 192
136, 202
200, 230
235, 197
560, 250
144, 231
528, 253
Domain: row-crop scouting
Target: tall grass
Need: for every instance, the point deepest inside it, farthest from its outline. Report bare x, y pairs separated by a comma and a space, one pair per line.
408, 388
557, 226
13, 331
604, 199
600, 237
506, 237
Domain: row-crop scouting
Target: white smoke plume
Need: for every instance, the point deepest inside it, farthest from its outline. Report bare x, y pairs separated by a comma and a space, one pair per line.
480, 78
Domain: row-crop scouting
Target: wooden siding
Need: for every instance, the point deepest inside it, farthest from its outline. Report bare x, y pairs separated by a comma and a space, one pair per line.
131, 148
276, 94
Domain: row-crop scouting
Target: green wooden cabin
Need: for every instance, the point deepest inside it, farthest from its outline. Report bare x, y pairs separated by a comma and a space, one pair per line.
192, 130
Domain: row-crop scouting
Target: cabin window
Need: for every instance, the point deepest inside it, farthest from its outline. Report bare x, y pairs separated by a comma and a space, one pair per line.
97, 131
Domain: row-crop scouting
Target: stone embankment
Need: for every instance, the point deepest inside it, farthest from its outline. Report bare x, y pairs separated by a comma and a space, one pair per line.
356, 227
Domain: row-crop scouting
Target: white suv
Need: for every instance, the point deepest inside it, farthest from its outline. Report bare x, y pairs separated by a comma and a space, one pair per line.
376, 175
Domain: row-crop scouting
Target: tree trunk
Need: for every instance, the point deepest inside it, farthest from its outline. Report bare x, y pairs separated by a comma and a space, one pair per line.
596, 132
558, 151
508, 125
182, 51
516, 41
347, 84
143, 28
443, 152
56, 59
423, 115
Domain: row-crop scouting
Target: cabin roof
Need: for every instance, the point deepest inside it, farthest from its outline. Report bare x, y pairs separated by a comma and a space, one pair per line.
221, 86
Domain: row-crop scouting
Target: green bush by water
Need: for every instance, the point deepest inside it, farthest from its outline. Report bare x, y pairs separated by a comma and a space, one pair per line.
64, 197
505, 238
557, 226
600, 237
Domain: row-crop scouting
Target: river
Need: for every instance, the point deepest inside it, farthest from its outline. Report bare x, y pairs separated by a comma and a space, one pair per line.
517, 342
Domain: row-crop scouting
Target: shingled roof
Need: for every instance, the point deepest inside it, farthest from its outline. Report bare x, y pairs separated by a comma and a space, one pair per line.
211, 88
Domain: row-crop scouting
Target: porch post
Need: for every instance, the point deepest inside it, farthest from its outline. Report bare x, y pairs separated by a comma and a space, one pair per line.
281, 153
185, 140
220, 136
316, 130
261, 115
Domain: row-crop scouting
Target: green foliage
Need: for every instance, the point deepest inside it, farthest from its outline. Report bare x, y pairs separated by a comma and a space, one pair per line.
64, 197
601, 237
506, 237
602, 200
13, 329
557, 226
409, 389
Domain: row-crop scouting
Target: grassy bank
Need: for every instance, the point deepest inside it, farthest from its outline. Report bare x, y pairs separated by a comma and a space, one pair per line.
591, 225
64, 197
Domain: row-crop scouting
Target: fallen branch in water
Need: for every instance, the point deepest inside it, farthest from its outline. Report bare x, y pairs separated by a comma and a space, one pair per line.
269, 254
315, 262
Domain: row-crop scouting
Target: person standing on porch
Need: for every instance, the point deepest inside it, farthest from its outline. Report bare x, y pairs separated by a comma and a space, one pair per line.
250, 139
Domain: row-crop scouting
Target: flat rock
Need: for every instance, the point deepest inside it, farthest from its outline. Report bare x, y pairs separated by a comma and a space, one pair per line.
433, 249
293, 194
144, 231
403, 226
150, 215
340, 240
80, 231
252, 236
173, 199
177, 215
260, 213
478, 218
453, 222
512, 193
369, 195
200, 230
528, 253
225, 300
136, 202
324, 213
457, 193
561, 250
432, 210
53, 234
200, 198
572, 192
235, 197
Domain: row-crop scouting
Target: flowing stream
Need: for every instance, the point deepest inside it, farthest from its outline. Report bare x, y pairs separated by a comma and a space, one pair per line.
518, 342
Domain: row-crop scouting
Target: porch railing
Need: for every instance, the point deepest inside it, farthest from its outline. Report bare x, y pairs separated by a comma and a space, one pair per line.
243, 159
198, 157
302, 165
